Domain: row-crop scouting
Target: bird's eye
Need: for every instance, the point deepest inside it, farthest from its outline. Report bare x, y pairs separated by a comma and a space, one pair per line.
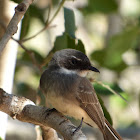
73, 61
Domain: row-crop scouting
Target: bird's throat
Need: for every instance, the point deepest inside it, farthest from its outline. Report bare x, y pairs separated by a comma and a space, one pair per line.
82, 73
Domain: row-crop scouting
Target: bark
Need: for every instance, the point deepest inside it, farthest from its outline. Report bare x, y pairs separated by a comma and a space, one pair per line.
7, 58
25, 110
13, 25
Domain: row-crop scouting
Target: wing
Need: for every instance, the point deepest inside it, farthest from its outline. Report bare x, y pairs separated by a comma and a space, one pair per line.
89, 102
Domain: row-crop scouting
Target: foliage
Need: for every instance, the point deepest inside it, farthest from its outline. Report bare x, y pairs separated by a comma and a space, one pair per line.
109, 56
104, 91
106, 113
105, 6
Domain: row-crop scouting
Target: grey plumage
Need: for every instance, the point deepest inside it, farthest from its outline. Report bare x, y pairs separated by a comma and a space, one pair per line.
70, 92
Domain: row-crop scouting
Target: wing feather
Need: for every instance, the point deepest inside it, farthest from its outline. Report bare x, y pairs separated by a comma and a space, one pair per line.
89, 102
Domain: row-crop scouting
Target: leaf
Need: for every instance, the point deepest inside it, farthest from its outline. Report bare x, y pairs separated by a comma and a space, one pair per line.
68, 39
60, 42
65, 41
121, 43
104, 6
104, 91
26, 91
41, 99
69, 18
117, 101
37, 13
26, 57
32, 12
25, 25
55, 2
106, 113
111, 56
75, 44
80, 46
16, 1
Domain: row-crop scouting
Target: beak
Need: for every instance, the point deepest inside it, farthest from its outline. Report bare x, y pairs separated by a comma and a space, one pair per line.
93, 69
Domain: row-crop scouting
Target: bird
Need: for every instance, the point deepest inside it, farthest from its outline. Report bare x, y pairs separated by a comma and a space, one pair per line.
67, 89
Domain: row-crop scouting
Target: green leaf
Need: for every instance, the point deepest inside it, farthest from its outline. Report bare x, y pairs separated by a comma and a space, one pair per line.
69, 18
68, 39
42, 98
25, 25
32, 12
121, 43
65, 41
75, 44
26, 91
117, 101
111, 56
106, 113
17, 1
104, 91
37, 56
99, 56
104, 6
55, 2
37, 13
80, 46
60, 42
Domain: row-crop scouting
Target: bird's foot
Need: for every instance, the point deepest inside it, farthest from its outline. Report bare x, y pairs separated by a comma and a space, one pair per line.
79, 127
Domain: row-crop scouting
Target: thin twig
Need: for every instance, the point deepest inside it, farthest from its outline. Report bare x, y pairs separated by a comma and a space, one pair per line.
30, 53
12, 27
48, 58
61, 4
49, 12
43, 29
114, 92
47, 22
111, 90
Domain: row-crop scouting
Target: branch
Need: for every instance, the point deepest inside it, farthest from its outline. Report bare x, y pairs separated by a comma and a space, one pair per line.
47, 22
12, 27
30, 54
25, 110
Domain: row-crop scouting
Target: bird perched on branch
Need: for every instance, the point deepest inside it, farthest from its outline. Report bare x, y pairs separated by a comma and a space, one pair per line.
67, 89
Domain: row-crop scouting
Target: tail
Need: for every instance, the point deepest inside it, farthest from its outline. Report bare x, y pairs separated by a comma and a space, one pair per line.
110, 133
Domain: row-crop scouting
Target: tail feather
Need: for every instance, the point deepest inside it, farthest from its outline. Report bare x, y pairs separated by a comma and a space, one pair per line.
110, 133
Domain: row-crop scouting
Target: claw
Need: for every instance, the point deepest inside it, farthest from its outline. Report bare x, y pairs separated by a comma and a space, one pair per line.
79, 127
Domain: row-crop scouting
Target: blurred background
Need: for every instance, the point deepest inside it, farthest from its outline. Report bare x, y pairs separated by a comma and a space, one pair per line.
108, 31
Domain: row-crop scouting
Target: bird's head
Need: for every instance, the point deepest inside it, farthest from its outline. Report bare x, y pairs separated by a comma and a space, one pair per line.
72, 61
